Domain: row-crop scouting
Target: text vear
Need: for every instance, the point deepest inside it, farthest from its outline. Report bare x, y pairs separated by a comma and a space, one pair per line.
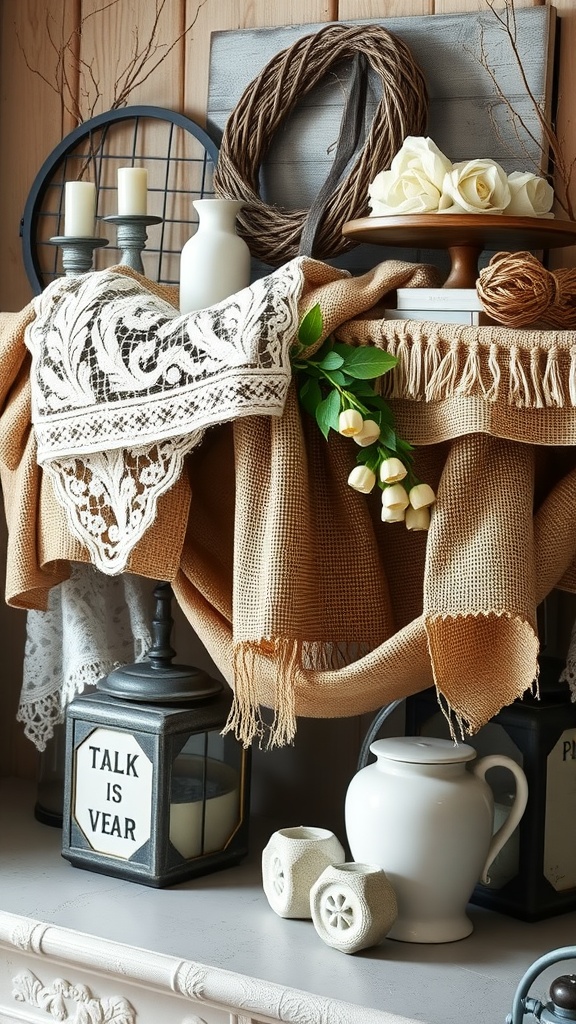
112, 824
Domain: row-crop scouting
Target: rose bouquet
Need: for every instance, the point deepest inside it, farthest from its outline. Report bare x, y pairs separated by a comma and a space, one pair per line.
334, 387
422, 179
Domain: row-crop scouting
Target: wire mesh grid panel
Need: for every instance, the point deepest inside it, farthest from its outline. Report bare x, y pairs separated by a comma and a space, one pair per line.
179, 157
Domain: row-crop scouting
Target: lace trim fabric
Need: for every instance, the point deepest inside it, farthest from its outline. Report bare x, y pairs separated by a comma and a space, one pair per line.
92, 625
111, 497
123, 387
568, 674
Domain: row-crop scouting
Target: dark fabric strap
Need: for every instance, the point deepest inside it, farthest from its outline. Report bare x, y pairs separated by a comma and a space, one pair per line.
351, 129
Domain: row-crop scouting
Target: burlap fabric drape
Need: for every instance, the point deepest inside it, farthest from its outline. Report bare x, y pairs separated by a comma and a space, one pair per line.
310, 605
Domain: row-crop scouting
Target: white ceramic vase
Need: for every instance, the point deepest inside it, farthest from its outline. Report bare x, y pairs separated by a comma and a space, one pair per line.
292, 861
215, 261
424, 813
353, 906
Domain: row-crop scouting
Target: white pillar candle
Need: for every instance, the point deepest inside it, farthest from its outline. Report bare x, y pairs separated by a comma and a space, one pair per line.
133, 191
218, 817
79, 209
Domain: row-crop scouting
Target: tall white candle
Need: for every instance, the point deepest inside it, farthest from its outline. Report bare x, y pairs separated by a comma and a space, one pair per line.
133, 191
79, 209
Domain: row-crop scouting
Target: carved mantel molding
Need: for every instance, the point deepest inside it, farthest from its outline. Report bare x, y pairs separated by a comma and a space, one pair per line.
65, 952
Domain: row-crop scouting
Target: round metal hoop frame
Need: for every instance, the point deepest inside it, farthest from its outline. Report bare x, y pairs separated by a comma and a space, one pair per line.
45, 203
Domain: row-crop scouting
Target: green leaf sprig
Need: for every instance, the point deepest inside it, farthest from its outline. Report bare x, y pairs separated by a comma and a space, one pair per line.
334, 386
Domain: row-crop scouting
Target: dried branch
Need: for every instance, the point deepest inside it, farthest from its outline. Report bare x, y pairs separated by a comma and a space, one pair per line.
74, 79
137, 70
550, 146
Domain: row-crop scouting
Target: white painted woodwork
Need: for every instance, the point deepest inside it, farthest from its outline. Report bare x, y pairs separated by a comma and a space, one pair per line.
77, 946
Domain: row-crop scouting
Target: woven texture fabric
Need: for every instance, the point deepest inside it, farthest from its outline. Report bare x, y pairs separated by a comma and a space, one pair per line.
307, 602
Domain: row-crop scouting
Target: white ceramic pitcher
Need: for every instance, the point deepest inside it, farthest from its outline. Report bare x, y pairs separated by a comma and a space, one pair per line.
424, 813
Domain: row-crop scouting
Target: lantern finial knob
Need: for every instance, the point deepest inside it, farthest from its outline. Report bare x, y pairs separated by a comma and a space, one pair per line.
159, 681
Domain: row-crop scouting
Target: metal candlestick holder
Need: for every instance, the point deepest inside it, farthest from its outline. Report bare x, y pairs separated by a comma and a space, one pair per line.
132, 236
77, 252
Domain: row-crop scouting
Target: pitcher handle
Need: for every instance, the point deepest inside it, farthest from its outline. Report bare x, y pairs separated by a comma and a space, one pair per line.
516, 811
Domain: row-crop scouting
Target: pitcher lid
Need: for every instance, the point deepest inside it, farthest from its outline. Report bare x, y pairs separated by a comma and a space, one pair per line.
422, 750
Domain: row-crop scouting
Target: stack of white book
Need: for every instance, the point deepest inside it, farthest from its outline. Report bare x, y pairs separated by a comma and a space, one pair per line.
447, 305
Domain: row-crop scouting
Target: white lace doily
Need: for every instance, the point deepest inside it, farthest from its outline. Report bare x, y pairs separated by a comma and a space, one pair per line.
568, 674
93, 624
123, 387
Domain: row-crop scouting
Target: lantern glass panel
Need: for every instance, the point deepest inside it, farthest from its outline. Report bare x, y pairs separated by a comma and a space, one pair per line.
205, 806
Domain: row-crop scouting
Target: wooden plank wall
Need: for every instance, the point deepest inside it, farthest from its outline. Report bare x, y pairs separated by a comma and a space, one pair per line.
33, 120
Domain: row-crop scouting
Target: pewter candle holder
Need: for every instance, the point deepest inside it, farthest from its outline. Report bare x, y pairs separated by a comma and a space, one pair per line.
132, 237
77, 252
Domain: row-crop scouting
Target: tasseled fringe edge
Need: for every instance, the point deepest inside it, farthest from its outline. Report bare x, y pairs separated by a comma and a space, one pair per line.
245, 720
459, 726
432, 369
325, 656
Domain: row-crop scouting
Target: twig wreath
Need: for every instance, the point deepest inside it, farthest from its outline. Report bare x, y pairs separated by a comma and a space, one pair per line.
274, 233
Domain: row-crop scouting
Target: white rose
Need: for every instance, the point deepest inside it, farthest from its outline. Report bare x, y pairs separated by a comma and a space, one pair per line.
414, 182
531, 196
475, 186
368, 435
350, 422
392, 515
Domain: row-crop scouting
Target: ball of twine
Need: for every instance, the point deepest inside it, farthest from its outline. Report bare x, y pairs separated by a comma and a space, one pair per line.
272, 232
516, 290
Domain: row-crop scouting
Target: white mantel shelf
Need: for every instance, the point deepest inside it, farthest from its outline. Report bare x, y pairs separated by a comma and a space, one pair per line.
211, 951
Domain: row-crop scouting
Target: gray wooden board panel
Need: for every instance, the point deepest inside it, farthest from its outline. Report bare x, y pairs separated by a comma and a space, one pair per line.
466, 119
451, 124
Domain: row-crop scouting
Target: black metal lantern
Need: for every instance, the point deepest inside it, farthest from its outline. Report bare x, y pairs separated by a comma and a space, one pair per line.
534, 876
154, 792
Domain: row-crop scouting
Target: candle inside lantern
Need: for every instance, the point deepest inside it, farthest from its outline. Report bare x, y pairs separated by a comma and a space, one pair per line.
79, 209
132, 191
204, 810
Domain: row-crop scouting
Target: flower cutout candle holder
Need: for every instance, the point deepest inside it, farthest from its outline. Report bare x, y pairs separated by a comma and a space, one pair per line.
353, 906
292, 861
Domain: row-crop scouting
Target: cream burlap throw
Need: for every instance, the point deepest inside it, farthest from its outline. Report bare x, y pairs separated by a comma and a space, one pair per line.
308, 604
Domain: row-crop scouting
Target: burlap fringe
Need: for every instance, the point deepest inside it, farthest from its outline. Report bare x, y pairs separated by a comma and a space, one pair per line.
246, 720
461, 729
432, 369
459, 726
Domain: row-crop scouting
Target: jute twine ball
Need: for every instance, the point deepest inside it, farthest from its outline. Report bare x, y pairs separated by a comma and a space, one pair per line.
516, 290
272, 232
